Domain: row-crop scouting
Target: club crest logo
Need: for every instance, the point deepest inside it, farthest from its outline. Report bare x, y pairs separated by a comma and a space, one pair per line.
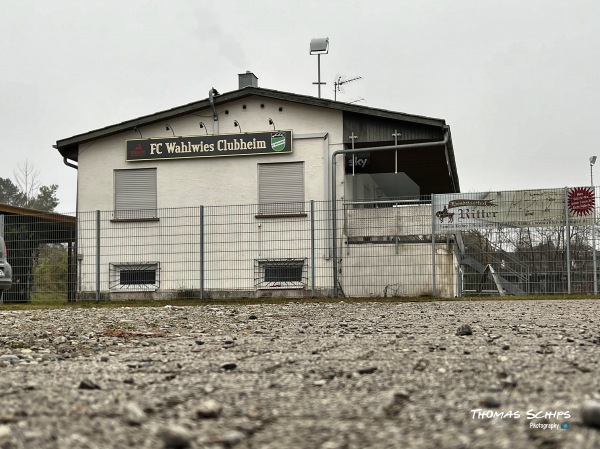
278, 142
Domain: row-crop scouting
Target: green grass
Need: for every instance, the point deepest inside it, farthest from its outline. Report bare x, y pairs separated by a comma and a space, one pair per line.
48, 302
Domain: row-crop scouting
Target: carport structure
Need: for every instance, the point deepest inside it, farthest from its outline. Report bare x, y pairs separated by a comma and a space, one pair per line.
26, 233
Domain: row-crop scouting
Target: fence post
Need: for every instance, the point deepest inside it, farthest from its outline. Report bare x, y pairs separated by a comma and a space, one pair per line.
433, 223
1, 235
97, 255
568, 240
201, 252
312, 247
594, 257
334, 246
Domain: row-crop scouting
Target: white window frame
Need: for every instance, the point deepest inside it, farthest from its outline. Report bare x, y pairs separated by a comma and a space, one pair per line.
281, 188
135, 194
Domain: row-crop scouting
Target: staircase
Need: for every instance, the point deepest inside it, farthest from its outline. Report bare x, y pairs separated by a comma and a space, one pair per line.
503, 286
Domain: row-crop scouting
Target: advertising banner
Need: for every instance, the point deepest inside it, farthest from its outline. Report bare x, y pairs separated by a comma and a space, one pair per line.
519, 208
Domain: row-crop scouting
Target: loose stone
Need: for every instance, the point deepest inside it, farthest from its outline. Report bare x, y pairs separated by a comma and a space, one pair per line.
491, 402
228, 366
175, 437
232, 438
394, 402
7, 438
133, 414
464, 329
590, 412
87, 384
209, 409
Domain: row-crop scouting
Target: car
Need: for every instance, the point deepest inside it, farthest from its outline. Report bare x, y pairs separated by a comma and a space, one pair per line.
5, 270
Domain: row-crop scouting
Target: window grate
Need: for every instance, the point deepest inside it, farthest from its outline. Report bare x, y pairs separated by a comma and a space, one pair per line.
281, 274
134, 277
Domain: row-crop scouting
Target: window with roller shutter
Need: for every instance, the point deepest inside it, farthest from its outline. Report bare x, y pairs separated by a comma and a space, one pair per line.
281, 188
135, 194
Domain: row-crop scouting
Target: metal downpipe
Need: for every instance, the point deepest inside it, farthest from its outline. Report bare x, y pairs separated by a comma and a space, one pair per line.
68, 164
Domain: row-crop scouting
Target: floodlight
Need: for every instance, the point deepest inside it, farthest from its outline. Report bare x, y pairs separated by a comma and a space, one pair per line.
319, 46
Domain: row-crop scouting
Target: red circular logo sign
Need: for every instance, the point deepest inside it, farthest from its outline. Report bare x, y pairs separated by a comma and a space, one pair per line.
581, 201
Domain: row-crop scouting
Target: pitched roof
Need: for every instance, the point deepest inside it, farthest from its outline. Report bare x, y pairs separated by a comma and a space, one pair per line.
68, 146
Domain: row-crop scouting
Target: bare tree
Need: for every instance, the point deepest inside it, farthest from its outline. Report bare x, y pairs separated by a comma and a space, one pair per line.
26, 178
26, 191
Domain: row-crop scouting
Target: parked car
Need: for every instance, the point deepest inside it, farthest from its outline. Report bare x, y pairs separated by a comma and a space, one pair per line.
5, 270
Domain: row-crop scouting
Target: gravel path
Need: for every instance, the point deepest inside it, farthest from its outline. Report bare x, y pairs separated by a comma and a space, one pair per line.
330, 376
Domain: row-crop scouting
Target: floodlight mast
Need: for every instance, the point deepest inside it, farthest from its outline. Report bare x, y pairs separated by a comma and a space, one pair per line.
594, 257
319, 46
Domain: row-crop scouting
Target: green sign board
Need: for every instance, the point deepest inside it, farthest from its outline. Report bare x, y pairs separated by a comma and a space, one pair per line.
245, 144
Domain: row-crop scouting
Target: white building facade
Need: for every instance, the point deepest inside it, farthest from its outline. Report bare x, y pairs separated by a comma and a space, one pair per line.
293, 163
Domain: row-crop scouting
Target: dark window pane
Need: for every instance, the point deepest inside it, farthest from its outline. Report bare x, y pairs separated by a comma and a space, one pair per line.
283, 273
137, 277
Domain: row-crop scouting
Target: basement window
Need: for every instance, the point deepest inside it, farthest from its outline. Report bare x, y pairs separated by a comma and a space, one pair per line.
280, 274
137, 277
134, 277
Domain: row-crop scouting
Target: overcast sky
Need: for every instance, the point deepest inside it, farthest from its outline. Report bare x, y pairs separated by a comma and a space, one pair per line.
517, 81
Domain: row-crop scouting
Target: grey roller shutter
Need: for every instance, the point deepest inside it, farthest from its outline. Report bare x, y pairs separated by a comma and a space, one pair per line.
281, 188
135, 194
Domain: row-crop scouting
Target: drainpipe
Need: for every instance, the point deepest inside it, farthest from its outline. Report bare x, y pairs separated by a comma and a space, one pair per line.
65, 160
211, 99
408, 146
68, 164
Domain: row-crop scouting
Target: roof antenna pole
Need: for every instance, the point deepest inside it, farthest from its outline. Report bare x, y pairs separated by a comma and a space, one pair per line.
211, 99
396, 135
352, 136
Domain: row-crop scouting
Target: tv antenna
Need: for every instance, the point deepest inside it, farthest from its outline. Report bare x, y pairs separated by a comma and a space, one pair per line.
356, 101
339, 81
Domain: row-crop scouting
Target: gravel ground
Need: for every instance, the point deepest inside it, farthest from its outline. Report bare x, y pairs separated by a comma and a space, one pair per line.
331, 376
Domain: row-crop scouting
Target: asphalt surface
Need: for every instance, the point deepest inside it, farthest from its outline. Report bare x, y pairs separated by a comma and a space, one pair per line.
292, 375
